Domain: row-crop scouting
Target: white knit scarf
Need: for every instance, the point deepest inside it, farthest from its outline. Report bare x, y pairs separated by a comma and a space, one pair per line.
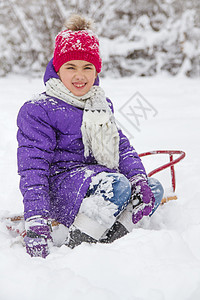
99, 131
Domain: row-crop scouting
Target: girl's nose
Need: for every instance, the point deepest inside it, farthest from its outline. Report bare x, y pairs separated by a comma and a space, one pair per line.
79, 75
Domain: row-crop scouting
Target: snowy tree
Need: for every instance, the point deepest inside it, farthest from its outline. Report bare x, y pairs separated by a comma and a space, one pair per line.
143, 37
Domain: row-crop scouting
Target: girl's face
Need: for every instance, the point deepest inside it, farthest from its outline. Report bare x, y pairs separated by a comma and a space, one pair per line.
78, 76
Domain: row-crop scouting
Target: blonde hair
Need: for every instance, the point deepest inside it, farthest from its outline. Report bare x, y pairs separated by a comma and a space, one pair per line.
78, 22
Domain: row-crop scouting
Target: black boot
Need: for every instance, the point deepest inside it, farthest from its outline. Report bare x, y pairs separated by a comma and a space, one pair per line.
115, 232
76, 237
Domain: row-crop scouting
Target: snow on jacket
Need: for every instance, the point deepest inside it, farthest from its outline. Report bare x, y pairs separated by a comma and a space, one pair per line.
55, 175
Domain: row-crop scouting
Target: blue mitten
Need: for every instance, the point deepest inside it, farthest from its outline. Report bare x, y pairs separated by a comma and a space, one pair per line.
38, 234
142, 198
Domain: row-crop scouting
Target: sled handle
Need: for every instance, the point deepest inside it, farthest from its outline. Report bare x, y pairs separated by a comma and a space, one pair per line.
170, 164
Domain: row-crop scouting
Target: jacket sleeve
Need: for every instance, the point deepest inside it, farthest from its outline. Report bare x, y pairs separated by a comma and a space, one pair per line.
130, 163
36, 143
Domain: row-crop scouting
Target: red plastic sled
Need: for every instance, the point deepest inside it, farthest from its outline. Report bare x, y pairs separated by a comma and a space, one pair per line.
14, 224
170, 165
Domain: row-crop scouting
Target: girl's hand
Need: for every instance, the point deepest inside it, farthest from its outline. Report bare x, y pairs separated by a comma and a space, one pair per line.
142, 199
38, 235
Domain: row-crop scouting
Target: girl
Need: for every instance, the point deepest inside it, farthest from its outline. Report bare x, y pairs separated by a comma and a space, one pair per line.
75, 165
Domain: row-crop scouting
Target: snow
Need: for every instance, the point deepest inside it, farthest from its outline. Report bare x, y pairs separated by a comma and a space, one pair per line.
94, 206
160, 258
139, 37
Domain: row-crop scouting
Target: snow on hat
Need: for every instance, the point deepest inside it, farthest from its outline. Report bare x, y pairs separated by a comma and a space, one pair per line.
77, 42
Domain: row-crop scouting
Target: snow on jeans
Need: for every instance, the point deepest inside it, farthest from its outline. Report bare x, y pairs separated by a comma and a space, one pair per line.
107, 196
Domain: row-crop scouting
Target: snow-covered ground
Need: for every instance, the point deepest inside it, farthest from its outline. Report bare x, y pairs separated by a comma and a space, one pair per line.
160, 258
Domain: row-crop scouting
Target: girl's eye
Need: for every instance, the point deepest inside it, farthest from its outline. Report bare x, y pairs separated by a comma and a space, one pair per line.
70, 68
88, 68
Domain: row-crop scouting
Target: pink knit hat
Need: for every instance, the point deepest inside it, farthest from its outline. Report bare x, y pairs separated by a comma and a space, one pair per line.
77, 45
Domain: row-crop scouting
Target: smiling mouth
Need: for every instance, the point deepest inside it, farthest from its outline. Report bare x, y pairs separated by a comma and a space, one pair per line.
79, 85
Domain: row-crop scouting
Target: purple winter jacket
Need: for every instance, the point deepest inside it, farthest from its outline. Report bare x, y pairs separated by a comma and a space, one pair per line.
55, 175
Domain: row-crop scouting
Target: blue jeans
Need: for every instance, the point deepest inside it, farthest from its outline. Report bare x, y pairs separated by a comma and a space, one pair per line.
157, 190
119, 190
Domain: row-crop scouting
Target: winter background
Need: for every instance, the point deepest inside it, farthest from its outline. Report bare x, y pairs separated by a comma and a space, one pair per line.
151, 49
